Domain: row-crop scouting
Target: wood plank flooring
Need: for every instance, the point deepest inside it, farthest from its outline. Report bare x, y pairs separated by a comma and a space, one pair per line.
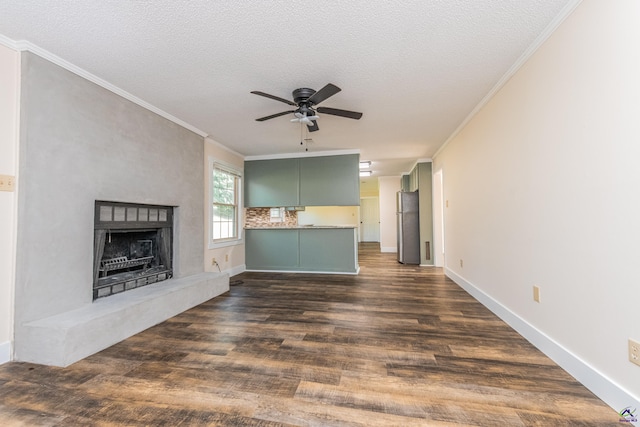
394, 346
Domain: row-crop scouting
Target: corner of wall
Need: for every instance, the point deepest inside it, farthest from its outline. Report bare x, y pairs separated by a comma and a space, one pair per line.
606, 389
9, 146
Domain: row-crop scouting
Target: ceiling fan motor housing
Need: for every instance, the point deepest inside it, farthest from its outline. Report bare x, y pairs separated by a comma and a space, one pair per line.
302, 94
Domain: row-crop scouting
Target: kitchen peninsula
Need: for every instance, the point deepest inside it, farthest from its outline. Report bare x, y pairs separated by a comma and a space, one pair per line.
317, 249
275, 240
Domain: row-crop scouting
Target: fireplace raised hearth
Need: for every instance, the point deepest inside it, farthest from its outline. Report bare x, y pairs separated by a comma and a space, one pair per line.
132, 246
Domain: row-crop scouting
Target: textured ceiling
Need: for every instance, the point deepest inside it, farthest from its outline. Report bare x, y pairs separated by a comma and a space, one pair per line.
416, 69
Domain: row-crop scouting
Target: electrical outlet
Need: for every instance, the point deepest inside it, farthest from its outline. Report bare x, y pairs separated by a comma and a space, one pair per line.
226, 257
634, 352
7, 183
536, 293
461, 264
213, 261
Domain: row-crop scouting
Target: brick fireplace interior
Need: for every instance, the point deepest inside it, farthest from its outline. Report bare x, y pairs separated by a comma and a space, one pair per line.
132, 246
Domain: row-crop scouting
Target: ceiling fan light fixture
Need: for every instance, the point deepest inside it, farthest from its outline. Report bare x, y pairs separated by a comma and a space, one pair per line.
307, 120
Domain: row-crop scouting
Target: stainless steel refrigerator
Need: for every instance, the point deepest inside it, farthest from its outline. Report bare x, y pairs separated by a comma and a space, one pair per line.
408, 228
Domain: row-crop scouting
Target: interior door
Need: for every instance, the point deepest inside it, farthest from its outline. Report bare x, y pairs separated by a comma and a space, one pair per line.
369, 220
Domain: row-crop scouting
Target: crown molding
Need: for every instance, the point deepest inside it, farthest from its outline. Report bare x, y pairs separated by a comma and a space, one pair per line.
421, 160
566, 11
7, 42
208, 139
305, 154
23, 45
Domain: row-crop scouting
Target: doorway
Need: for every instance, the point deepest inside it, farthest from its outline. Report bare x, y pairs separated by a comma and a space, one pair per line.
438, 219
369, 219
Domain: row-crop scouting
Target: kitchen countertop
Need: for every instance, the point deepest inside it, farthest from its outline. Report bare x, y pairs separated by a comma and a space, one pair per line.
298, 227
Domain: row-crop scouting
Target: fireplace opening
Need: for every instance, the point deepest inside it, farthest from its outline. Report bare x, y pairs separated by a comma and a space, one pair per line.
130, 251
132, 246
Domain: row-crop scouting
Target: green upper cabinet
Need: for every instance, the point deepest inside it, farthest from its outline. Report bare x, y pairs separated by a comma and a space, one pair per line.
414, 179
330, 181
269, 183
307, 181
404, 184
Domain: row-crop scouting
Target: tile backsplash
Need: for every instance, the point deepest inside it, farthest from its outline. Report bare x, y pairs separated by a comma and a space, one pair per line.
260, 217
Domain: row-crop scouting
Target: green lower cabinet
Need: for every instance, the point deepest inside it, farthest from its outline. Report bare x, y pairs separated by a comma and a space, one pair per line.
328, 250
271, 249
313, 250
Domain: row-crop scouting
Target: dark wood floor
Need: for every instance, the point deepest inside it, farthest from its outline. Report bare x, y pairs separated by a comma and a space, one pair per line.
394, 346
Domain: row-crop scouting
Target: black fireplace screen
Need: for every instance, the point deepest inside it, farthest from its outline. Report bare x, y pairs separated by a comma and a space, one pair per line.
132, 246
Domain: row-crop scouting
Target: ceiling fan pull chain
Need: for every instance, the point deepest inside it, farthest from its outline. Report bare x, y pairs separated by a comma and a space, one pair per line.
306, 140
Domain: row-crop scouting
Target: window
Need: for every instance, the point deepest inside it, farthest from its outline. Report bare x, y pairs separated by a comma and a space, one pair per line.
276, 215
225, 204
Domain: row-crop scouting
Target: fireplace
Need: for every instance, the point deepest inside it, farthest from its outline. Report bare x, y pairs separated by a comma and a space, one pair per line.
132, 246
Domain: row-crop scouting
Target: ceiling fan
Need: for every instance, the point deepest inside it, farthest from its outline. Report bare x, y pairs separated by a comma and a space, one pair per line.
306, 99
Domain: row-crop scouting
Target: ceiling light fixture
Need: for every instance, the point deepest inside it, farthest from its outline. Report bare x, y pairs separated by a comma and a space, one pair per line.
365, 173
364, 165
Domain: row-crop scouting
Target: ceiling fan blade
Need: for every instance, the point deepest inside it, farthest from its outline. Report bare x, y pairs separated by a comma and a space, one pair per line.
262, 119
324, 93
277, 98
313, 126
341, 113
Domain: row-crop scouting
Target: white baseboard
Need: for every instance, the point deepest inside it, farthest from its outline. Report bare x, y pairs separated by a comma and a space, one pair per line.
388, 249
236, 270
5, 352
607, 390
348, 273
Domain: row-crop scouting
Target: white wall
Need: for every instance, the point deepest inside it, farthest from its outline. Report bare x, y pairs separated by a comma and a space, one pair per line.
543, 189
9, 84
329, 215
389, 186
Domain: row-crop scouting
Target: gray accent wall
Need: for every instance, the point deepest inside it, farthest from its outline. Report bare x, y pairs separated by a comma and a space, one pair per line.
79, 143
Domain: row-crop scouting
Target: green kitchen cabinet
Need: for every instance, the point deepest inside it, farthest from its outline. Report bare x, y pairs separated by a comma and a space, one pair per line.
271, 183
405, 183
425, 202
328, 250
330, 181
303, 249
271, 249
414, 179
305, 181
